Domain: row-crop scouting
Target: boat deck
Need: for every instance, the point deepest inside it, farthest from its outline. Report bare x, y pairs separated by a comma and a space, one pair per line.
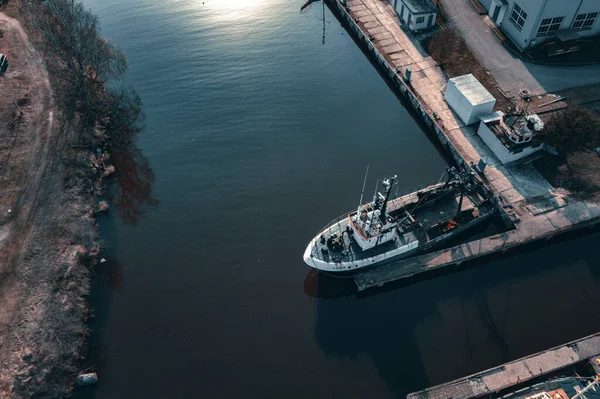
443, 209
427, 214
502, 378
352, 249
563, 388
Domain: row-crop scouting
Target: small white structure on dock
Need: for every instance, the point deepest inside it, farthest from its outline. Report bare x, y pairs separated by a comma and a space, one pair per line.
511, 138
468, 98
417, 14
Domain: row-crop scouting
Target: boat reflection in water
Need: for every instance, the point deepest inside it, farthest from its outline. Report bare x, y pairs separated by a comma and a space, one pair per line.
324, 286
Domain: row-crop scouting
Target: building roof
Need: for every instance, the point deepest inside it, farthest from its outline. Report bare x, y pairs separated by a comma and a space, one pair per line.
420, 6
472, 90
494, 116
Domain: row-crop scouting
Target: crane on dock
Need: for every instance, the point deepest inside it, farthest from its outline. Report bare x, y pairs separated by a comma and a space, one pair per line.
308, 4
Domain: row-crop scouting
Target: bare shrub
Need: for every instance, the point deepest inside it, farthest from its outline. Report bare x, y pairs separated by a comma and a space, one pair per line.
133, 175
85, 62
75, 51
445, 47
572, 130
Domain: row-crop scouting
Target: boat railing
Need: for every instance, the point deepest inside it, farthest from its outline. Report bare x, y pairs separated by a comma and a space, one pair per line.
397, 194
414, 189
330, 225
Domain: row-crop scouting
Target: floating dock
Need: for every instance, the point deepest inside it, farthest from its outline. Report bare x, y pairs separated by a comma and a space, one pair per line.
513, 374
538, 210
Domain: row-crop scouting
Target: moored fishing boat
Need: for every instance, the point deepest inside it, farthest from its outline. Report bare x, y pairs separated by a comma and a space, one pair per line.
389, 229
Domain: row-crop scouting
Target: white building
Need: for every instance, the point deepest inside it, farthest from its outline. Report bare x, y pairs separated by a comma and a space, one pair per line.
511, 138
528, 23
416, 14
468, 98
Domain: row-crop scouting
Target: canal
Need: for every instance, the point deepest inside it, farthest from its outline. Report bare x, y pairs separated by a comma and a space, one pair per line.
258, 135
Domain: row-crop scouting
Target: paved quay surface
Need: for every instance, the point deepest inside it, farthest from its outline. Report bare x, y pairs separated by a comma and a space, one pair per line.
539, 209
377, 19
509, 374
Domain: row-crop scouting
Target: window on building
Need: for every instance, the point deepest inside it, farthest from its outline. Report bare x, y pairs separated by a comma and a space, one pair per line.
420, 19
550, 25
518, 16
585, 21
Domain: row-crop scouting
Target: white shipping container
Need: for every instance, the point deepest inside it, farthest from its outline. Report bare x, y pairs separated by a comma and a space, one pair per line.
468, 98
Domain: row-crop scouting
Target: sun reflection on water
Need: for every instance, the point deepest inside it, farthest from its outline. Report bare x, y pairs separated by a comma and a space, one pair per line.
227, 19
238, 8
238, 4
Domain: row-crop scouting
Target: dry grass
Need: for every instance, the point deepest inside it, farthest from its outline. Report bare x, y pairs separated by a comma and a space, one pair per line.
453, 55
48, 237
579, 173
585, 168
46, 230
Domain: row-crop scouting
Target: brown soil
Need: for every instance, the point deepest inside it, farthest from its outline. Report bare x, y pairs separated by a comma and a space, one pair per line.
453, 55
579, 175
47, 231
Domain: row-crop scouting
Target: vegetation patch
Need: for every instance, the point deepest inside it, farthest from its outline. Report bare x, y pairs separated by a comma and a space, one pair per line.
67, 139
575, 133
108, 117
453, 55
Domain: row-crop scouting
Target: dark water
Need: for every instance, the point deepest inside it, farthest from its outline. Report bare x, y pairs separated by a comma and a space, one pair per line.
258, 135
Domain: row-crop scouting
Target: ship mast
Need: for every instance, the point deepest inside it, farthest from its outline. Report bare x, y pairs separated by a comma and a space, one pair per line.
388, 183
373, 207
306, 5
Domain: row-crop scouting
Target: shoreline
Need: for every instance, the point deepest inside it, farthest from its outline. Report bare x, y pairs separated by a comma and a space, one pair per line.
49, 236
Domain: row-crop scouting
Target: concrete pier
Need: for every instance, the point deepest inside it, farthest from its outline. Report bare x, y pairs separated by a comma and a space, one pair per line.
539, 210
494, 380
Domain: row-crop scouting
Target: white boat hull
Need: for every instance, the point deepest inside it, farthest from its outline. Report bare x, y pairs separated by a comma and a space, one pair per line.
358, 264
347, 266
364, 238
405, 251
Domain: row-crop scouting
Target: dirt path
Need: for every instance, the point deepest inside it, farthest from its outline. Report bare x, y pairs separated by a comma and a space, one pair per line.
46, 226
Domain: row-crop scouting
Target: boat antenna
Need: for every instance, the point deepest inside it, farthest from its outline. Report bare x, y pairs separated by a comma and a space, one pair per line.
363, 189
375, 193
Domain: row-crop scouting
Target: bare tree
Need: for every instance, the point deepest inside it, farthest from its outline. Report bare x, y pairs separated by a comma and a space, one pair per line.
133, 176
574, 129
77, 53
70, 36
445, 46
